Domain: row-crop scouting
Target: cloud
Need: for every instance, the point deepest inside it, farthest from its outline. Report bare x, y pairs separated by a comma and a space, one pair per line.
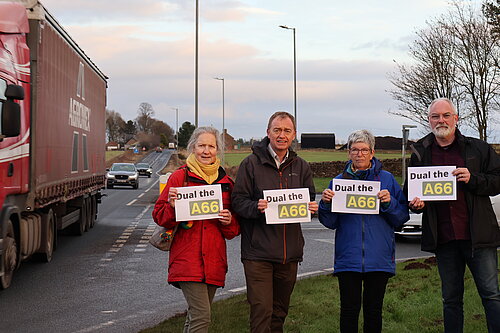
87, 11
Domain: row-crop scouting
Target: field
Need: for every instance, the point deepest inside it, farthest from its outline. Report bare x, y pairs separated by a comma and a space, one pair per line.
412, 304
235, 158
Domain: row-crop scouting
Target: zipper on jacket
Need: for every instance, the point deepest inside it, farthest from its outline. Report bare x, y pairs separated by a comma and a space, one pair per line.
362, 244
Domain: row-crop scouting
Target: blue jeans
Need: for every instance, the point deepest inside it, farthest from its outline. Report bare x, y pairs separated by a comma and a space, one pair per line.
483, 263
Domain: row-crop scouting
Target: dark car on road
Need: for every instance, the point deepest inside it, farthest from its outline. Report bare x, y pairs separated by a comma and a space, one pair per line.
122, 174
144, 169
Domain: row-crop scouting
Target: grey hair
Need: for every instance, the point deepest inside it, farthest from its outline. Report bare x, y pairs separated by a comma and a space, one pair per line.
364, 136
444, 99
202, 130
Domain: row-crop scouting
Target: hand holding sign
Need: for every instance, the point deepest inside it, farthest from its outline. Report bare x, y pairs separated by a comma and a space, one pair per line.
225, 217
327, 195
462, 174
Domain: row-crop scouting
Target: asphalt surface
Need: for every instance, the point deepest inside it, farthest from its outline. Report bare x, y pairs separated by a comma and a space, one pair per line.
112, 280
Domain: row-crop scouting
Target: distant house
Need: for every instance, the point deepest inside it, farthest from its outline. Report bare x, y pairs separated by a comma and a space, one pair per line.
112, 145
131, 144
317, 140
229, 141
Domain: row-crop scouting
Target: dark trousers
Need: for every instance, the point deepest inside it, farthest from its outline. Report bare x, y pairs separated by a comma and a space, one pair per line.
362, 288
269, 287
452, 258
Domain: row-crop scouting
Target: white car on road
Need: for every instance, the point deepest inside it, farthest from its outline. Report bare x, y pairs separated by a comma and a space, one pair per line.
413, 228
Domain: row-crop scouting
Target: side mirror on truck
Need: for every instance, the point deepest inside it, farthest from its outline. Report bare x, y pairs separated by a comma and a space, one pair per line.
11, 111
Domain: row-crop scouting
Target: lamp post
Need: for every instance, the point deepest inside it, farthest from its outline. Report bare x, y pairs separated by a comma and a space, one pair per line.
176, 127
196, 70
223, 128
406, 132
294, 74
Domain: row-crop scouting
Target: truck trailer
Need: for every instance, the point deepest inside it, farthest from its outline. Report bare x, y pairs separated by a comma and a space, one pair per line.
52, 135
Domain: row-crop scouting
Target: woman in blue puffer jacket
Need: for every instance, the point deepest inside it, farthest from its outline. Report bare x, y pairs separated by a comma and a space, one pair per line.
364, 244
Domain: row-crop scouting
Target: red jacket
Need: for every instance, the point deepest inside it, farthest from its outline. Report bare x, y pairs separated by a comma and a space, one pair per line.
197, 254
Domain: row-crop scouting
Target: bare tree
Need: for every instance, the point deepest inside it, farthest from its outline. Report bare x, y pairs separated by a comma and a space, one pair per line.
161, 128
455, 57
431, 76
477, 51
144, 120
114, 126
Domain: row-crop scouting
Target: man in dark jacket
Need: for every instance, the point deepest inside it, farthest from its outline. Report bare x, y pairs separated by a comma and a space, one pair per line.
270, 252
465, 231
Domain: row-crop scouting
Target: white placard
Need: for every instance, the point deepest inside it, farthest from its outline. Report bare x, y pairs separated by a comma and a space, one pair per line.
198, 202
287, 206
355, 196
434, 183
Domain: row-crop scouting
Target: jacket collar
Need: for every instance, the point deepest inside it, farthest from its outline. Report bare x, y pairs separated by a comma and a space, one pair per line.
373, 171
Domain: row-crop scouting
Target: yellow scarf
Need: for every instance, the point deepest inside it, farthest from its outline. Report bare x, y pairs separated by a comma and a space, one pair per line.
209, 173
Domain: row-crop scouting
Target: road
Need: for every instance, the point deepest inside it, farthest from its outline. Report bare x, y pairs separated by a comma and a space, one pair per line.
111, 280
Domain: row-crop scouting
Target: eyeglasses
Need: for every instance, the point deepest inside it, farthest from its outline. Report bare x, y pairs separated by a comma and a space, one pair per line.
364, 151
436, 117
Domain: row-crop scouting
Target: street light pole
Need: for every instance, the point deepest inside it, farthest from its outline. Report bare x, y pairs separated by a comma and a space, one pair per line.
294, 74
176, 127
223, 128
196, 70
406, 132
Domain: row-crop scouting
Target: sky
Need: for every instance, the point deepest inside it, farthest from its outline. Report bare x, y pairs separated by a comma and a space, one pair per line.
345, 51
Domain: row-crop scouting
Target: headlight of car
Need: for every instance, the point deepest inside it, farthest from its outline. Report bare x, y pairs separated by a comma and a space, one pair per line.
110, 176
134, 176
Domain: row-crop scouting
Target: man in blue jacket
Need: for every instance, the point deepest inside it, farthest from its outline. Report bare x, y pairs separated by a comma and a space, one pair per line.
465, 231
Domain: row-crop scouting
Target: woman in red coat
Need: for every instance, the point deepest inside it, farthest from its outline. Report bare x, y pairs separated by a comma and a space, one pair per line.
198, 261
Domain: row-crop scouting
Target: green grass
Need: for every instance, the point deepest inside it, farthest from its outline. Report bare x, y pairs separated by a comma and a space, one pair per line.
235, 158
113, 153
412, 304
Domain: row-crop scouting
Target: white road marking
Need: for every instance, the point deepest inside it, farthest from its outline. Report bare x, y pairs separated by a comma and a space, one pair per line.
131, 202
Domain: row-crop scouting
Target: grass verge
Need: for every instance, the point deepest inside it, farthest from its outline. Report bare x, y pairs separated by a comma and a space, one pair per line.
412, 304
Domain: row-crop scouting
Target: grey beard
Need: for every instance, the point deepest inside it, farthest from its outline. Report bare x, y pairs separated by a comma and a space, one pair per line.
441, 132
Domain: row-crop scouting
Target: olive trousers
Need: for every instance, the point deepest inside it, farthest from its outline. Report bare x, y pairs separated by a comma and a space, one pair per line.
199, 298
269, 287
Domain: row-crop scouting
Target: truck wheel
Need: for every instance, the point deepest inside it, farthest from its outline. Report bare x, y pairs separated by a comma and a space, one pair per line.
78, 228
48, 237
9, 256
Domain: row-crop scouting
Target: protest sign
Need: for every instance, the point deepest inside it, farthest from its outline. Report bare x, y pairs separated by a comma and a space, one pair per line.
355, 196
434, 183
198, 202
287, 206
